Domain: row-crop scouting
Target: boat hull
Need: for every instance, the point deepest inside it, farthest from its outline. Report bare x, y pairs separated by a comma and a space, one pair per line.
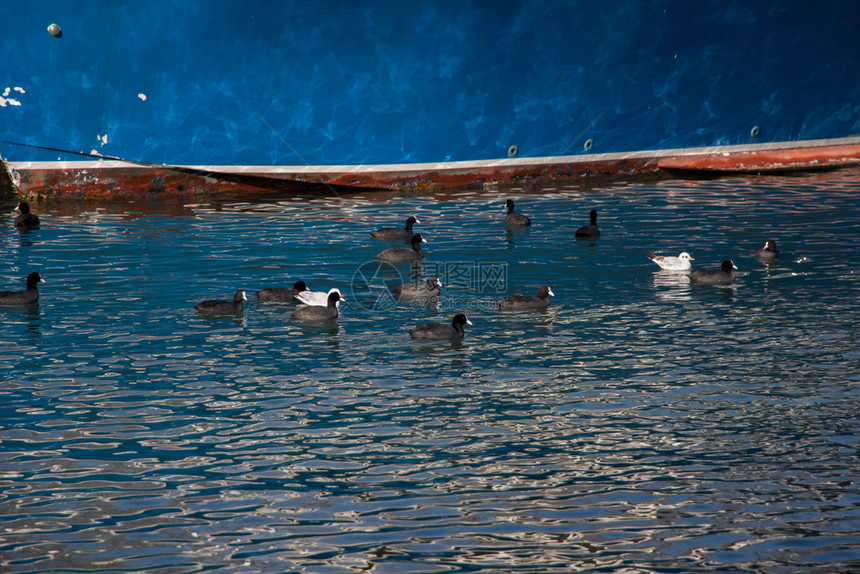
331, 83
113, 178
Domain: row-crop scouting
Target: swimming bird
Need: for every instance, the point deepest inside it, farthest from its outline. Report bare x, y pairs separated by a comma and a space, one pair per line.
515, 219
679, 263
282, 294
30, 295
395, 233
440, 330
405, 253
25, 219
769, 252
217, 307
518, 301
590, 231
317, 297
319, 312
722, 276
431, 288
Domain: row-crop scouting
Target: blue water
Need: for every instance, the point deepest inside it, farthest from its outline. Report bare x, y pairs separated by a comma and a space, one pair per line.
639, 425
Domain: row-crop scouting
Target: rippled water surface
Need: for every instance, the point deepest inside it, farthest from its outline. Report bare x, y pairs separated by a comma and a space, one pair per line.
639, 425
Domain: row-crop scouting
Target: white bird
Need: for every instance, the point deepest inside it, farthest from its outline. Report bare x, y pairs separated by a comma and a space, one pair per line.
679, 263
317, 297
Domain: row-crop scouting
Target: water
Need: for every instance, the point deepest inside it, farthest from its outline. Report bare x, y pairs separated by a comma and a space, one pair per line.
638, 425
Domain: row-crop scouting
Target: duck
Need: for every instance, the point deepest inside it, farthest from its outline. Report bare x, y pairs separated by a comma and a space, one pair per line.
317, 297
513, 219
769, 252
217, 307
669, 263
30, 295
590, 231
320, 312
396, 233
282, 294
431, 288
518, 301
405, 253
440, 330
722, 276
25, 218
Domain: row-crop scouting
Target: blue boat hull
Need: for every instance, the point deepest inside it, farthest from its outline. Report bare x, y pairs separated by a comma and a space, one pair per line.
322, 83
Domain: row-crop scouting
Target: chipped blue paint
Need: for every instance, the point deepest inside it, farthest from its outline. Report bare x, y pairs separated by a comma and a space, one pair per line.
297, 83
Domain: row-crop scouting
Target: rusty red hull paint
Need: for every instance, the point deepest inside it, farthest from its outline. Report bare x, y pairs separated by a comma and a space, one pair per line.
765, 160
479, 175
117, 179
88, 181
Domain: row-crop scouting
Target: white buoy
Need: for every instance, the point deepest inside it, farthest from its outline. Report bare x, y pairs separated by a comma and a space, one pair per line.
55, 31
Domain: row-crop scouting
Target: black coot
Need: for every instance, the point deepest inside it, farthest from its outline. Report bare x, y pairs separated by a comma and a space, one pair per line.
282, 294
405, 253
30, 295
722, 276
513, 219
590, 231
440, 330
539, 301
431, 288
25, 218
217, 307
319, 312
769, 252
395, 233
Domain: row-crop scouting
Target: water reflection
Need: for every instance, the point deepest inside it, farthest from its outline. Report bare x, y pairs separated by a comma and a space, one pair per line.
671, 284
513, 235
330, 327
27, 315
34, 323
431, 347
665, 278
418, 302
27, 236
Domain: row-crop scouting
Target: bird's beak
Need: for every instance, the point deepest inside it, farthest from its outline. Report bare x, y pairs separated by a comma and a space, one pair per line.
468, 322
550, 292
423, 240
